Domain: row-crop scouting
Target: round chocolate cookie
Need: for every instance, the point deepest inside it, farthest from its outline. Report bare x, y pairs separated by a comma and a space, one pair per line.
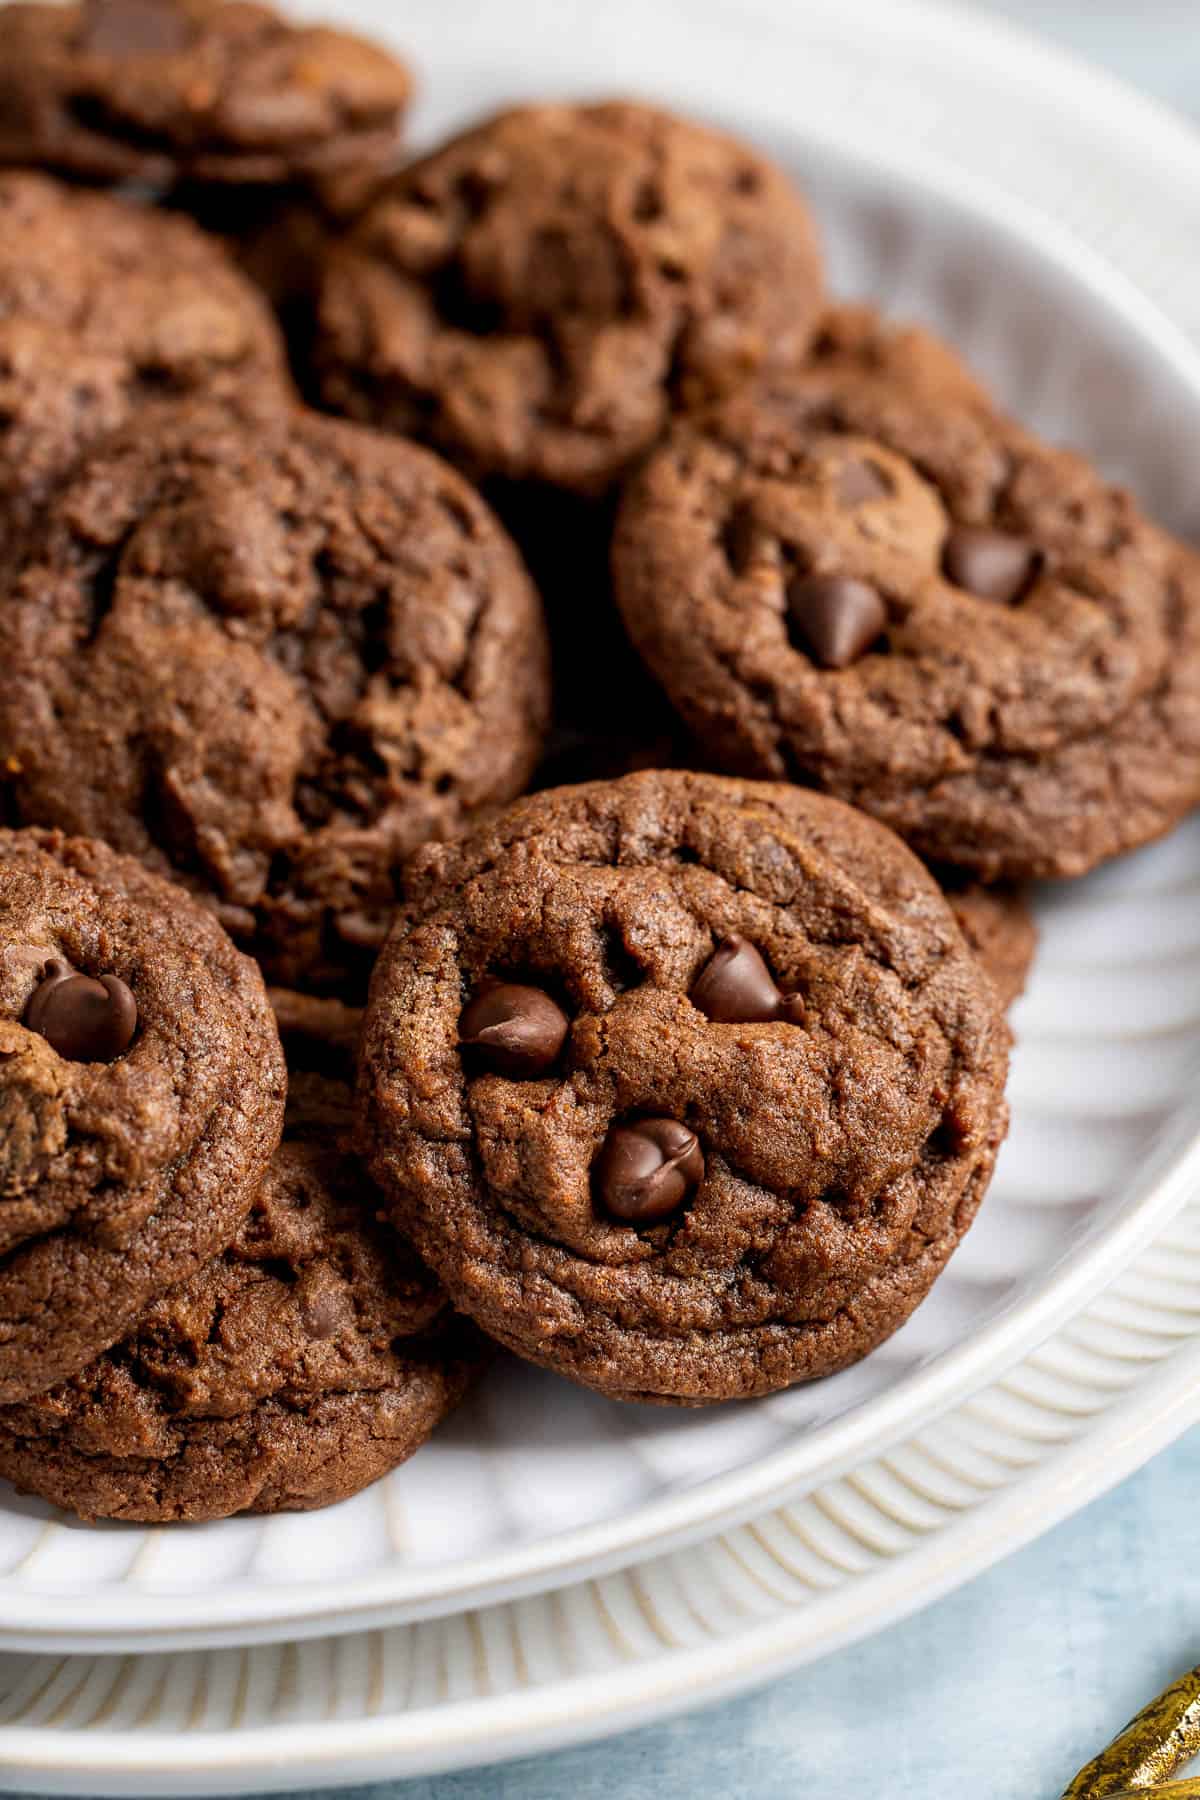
686, 1087
104, 305
141, 1097
270, 662
156, 91
538, 296
862, 576
305, 1361
1001, 930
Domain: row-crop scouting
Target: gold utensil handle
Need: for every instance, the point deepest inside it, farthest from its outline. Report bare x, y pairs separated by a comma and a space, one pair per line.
1161, 1739
1188, 1789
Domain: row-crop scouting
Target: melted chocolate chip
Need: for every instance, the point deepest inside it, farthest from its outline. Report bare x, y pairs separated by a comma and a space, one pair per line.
993, 565
837, 617
860, 481
645, 1171
515, 1030
84, 1020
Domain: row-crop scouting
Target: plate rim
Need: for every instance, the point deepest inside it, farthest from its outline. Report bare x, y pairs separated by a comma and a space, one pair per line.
44, 1621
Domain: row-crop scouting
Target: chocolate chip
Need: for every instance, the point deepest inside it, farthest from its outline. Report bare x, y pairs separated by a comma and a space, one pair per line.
990, 564
735, 986
861, 481
133, 27
837, 616
84, 1020
516, 1030
646, 1171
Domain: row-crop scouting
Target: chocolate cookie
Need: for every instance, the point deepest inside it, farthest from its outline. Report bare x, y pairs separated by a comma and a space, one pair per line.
686, 1087
865, 577
538, 296
103, 305
157, 91
305, 1361
270, 662
141, 1097
1001, 930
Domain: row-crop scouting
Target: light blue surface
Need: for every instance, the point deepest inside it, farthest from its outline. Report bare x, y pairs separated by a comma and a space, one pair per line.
1002, 1690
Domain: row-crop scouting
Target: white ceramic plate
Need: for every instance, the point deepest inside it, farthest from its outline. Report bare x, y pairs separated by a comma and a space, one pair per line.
537, 1482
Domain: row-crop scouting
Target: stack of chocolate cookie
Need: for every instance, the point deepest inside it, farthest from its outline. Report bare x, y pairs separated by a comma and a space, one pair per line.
683, 1080
196, 1318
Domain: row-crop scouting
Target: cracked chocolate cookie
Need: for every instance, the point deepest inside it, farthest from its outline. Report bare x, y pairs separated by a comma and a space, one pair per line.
686, 1087
104, 306
303, 1362
862, 576
210, 91
270, 662
538, 296
141, 1098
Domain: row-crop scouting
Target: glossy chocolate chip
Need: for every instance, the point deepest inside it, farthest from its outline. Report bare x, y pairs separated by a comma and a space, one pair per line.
515, 1030
84, 1020
860, 481
646, 1171
993, 565
132, 27
837, 617
735, 986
